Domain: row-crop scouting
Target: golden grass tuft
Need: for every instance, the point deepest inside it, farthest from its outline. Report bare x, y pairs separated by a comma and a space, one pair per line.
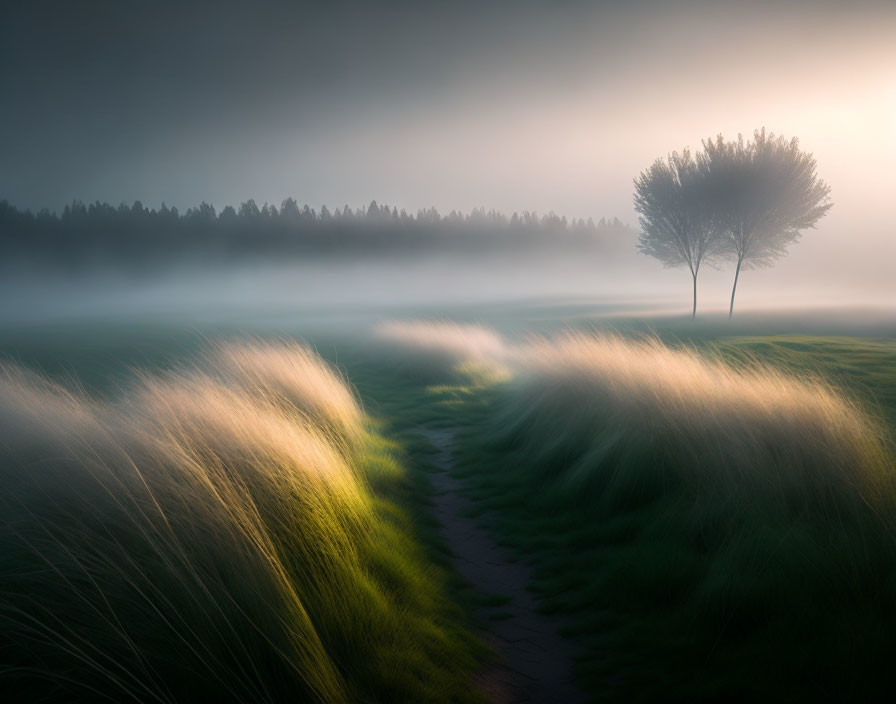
292, 374
724, 426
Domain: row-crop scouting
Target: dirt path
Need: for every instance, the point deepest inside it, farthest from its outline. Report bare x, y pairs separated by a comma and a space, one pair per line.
536, 663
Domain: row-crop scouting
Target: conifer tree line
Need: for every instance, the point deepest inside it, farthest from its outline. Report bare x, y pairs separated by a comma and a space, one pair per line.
736, 202
137, 236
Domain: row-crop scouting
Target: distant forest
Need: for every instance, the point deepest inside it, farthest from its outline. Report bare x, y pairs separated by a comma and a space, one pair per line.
136, 237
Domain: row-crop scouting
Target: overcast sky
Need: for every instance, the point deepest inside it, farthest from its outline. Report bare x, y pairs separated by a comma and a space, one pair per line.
513, 105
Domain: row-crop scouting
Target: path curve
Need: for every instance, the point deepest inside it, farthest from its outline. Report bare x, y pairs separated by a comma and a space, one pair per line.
536, 662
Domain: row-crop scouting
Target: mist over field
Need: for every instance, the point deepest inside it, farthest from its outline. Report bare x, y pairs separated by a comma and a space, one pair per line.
523, 107
506, 352
311, 289
210, 276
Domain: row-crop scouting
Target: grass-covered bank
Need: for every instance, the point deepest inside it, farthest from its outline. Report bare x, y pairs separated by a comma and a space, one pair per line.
225, 532
710, 531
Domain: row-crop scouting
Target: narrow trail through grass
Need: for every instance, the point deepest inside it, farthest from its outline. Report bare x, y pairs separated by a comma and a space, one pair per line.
536, 663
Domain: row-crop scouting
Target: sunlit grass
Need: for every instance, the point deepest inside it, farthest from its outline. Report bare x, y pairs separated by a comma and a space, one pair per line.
295, 379
623, 403
864, 366
708, 529
213, 536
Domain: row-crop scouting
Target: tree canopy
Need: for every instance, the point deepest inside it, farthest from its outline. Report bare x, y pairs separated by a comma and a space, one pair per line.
766, 192
746, 202
674, 207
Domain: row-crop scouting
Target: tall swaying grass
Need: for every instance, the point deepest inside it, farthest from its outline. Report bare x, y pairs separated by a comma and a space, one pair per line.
211, 536
298, 380
752, 433
712, 531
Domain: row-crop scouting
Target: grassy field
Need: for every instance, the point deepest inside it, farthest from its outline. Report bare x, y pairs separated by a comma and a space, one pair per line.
709, 530
232, 530
710, 513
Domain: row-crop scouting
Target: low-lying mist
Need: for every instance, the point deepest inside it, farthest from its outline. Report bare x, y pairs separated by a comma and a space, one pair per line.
620, 281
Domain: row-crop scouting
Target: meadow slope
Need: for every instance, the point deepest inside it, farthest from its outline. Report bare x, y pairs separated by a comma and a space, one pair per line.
223, 532
708, 529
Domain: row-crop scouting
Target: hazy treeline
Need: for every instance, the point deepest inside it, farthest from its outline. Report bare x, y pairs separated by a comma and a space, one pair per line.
140, 237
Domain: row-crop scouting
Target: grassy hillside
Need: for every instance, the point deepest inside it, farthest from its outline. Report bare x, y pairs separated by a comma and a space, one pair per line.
217, 533
710, 531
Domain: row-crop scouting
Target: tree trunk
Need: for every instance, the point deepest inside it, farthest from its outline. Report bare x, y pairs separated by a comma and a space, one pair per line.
694, 310
734, 288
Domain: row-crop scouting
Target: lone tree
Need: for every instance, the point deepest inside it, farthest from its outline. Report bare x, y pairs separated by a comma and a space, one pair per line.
763, 193
675, 212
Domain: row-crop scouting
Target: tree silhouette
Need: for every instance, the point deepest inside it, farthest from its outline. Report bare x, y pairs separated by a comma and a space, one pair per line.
137, 237
675, 214
765, 192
